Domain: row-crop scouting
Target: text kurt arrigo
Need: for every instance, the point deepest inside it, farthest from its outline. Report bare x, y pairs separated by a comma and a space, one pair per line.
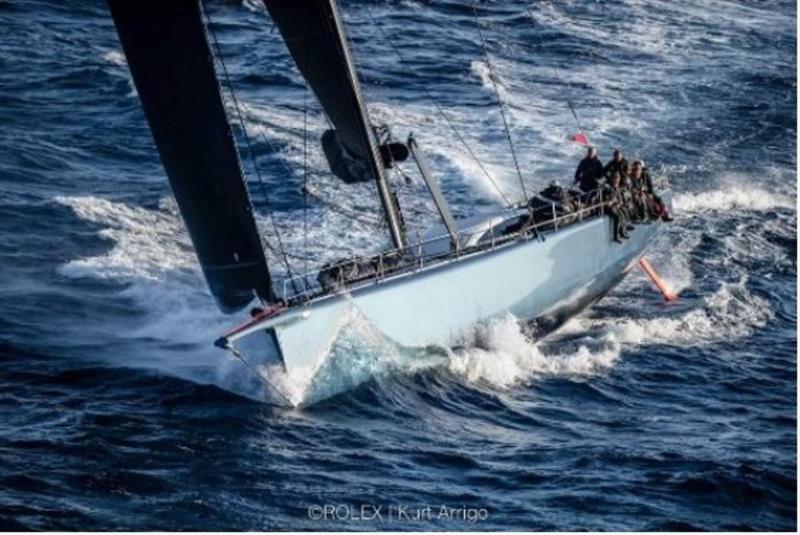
397, 513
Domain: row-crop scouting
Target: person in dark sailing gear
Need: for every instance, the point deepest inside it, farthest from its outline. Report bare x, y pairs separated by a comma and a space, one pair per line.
635, 203
616, 209
656, 207
642, 177
628, 199
617, 163
589, 171
641, 186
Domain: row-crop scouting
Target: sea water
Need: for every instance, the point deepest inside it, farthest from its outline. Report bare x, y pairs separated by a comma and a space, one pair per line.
116, 412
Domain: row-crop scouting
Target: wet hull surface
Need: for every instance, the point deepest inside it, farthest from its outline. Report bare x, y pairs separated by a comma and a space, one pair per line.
541, 282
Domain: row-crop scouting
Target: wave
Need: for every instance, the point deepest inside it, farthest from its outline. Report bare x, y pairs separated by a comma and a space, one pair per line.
147, 243
505, 356
732, 312
490, 80
116, 57
256, 6
734, 198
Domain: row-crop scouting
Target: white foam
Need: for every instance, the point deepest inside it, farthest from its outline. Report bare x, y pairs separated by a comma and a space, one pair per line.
729, 313
506, 357
147, 244
490, 79
256, 6
171, 314
732, 198
116, 57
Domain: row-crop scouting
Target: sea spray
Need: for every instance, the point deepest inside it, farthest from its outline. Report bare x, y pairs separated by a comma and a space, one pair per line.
506, 356
147, 243
734, 198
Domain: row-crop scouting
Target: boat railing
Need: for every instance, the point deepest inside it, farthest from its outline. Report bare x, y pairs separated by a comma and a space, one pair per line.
305, 286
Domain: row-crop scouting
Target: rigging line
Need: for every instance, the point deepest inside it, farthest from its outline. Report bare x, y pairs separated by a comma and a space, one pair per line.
269, 144
305, 177
365, 219
261, 182
259, 375
557, 73
500, 104
298, 257
402, 174
257, 168
575, 114
439, 110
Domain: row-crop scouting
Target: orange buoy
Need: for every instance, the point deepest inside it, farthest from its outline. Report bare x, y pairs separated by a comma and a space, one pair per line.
660, 284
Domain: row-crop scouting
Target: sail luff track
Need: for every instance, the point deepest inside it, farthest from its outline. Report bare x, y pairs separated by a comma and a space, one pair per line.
173, 69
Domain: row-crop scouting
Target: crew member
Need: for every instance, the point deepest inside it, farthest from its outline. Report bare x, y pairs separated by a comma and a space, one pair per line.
617, 163
656, 206
616, 208
627, 195
589, 171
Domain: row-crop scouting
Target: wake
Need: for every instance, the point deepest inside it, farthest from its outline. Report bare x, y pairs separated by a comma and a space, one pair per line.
735, 198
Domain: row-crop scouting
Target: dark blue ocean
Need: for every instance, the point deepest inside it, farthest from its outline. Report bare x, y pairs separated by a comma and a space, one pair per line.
117, 413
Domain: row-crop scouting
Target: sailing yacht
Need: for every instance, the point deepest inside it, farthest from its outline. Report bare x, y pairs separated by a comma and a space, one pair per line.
541, 265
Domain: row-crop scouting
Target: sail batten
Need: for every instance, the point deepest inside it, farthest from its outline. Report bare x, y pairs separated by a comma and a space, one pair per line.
173, 69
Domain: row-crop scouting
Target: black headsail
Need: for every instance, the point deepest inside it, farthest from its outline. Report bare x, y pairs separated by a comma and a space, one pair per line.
173, 69
313, 32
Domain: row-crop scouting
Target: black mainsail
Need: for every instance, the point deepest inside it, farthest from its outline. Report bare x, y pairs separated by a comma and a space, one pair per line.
173, 68
313, 32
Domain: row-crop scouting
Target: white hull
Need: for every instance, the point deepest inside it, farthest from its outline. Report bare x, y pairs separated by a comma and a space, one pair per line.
545, 280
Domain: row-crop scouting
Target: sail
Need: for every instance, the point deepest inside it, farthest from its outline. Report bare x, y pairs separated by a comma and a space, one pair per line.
313, 33
309, 29
173, 69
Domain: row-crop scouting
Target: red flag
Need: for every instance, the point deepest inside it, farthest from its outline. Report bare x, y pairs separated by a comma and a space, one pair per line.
580, 137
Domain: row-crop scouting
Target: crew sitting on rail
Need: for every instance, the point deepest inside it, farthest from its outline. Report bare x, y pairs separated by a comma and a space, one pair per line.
589, 171
641, 179
617, 163
641, 196
629, 200
613, 193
